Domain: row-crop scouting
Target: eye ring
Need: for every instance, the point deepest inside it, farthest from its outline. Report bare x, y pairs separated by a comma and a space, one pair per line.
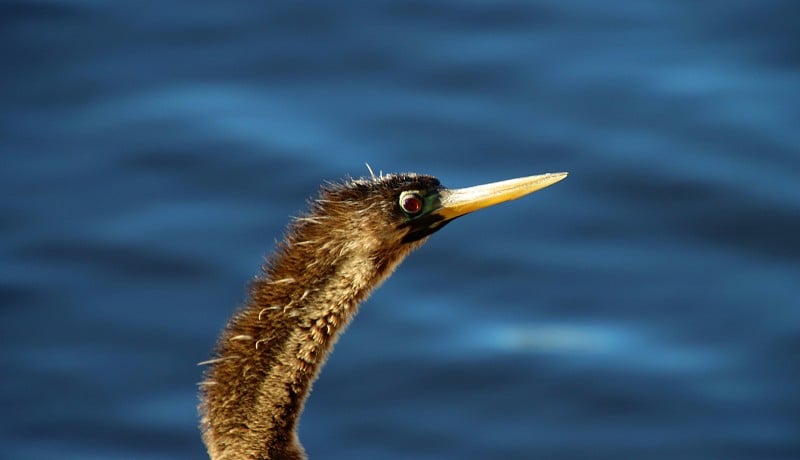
411, 203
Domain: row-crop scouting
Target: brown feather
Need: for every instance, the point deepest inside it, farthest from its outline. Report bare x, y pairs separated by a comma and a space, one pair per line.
271, 351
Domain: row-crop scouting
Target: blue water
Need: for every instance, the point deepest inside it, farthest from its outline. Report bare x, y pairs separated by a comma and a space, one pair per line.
647, 307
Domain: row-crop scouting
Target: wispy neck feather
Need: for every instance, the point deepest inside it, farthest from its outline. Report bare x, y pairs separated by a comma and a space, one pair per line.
271, 351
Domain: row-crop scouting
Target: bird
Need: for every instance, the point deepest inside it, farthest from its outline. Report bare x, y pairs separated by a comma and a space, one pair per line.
351, 238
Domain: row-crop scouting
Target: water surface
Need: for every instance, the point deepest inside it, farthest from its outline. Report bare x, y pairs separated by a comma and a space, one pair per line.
646, 307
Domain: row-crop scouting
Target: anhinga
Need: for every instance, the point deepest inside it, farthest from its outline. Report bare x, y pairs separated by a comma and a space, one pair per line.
352, 237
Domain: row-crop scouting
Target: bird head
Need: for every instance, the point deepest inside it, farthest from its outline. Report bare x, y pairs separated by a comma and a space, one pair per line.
397, 212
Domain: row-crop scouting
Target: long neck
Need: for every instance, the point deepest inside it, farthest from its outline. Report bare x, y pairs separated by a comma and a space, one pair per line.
271, 351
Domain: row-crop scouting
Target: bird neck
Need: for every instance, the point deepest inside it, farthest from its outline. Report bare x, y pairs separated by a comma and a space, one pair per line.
272, 350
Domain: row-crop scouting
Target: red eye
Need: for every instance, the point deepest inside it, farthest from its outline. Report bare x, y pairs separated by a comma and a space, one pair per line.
411, 203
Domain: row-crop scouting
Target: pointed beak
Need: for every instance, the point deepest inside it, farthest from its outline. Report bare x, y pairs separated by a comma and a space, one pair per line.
458, 202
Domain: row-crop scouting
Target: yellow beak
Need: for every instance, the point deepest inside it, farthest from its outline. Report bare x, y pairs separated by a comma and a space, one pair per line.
458, 202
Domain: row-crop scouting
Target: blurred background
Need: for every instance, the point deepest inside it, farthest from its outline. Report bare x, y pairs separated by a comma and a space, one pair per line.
646, 307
